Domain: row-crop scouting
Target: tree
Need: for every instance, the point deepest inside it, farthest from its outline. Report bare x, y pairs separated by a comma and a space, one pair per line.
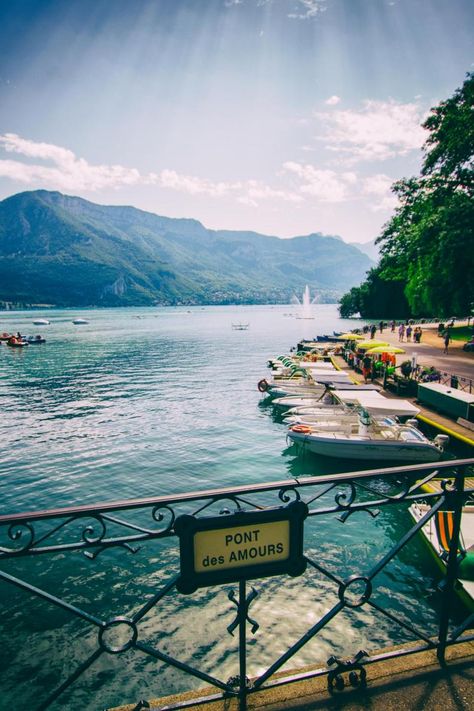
427, 245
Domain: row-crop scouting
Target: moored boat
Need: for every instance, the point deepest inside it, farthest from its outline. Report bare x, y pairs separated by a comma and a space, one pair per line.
34, 339
437, 532
369, 439
15, 342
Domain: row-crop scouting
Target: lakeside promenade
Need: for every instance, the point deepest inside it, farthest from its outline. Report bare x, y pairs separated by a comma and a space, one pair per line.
429, 351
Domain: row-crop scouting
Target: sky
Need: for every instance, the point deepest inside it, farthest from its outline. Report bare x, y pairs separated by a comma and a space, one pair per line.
284, 117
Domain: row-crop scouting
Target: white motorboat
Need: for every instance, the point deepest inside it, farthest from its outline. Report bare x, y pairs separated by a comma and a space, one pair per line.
375, 402
367, 438
331, 418
79, 321
321, 414
315, 381
41, 322
436, 532
315, 391
309, 365
320, 376
304, 399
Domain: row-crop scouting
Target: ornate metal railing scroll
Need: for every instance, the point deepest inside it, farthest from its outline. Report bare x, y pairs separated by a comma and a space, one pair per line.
126, 526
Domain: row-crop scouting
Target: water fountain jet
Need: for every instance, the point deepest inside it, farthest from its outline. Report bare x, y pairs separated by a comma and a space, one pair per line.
306, 312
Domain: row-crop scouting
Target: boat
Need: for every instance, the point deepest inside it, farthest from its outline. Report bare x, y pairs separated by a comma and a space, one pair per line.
240, 326
79, 321
34, 339
436, 533
376, 402
401, 409
368, 438
41, 322
15, 342
305, 399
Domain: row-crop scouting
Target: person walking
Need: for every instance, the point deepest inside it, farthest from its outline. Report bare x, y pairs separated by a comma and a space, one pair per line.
401, 331
447, 341
408, 333
373, 330
366, 367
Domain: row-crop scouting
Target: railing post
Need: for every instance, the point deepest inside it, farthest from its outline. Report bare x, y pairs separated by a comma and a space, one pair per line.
242, 613
457, 497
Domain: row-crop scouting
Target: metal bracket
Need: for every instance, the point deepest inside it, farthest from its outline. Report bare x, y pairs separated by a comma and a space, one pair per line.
245, 611
357, 673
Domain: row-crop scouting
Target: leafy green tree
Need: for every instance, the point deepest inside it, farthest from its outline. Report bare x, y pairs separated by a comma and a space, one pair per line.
426, 247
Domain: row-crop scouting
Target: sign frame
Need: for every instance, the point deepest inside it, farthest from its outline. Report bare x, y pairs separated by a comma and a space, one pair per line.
186, 526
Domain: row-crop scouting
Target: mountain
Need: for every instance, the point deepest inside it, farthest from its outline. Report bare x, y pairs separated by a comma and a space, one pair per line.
66, 251
369, 248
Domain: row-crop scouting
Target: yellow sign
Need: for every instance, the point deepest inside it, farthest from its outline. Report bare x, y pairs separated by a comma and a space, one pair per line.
240, 546
224, 548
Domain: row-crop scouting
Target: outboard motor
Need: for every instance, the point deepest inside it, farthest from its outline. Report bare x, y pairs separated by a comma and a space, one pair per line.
441, 441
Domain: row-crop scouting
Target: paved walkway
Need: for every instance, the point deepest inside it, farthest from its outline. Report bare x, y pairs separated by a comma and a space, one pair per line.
430, 352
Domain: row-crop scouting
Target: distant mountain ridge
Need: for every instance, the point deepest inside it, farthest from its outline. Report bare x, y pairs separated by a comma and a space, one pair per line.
67, 251
371, 249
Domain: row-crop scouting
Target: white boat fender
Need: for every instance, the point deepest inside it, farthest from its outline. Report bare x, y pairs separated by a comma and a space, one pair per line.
413, 423
441, 441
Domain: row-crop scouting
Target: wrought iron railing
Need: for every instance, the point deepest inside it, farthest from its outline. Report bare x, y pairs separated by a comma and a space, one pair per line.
129, 524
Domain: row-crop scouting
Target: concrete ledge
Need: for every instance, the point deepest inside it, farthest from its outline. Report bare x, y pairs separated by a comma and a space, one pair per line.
408, 683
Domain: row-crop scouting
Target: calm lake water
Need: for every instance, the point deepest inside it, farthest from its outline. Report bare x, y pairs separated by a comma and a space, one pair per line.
147, 402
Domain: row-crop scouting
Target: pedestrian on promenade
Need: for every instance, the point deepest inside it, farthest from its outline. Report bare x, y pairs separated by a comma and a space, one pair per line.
408, 333
373, 329
392, 326
401, 332
381, 326
366, 367
447, 341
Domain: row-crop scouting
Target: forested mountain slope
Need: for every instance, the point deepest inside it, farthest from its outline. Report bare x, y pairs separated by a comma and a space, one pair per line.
66, 251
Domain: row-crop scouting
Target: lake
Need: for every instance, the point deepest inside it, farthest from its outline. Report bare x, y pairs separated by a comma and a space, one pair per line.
147, 402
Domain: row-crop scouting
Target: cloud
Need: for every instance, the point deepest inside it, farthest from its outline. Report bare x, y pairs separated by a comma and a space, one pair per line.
302, 9
323, 184
67, 172
256, 190
56, 167
378, 131
333, 100
61, 169
379, 186
307, 9
194, 185
329, 186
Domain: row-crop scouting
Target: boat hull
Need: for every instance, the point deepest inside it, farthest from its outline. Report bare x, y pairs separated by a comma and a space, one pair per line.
363, 448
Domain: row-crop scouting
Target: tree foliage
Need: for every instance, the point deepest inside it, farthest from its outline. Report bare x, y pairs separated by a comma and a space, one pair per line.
426, 247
